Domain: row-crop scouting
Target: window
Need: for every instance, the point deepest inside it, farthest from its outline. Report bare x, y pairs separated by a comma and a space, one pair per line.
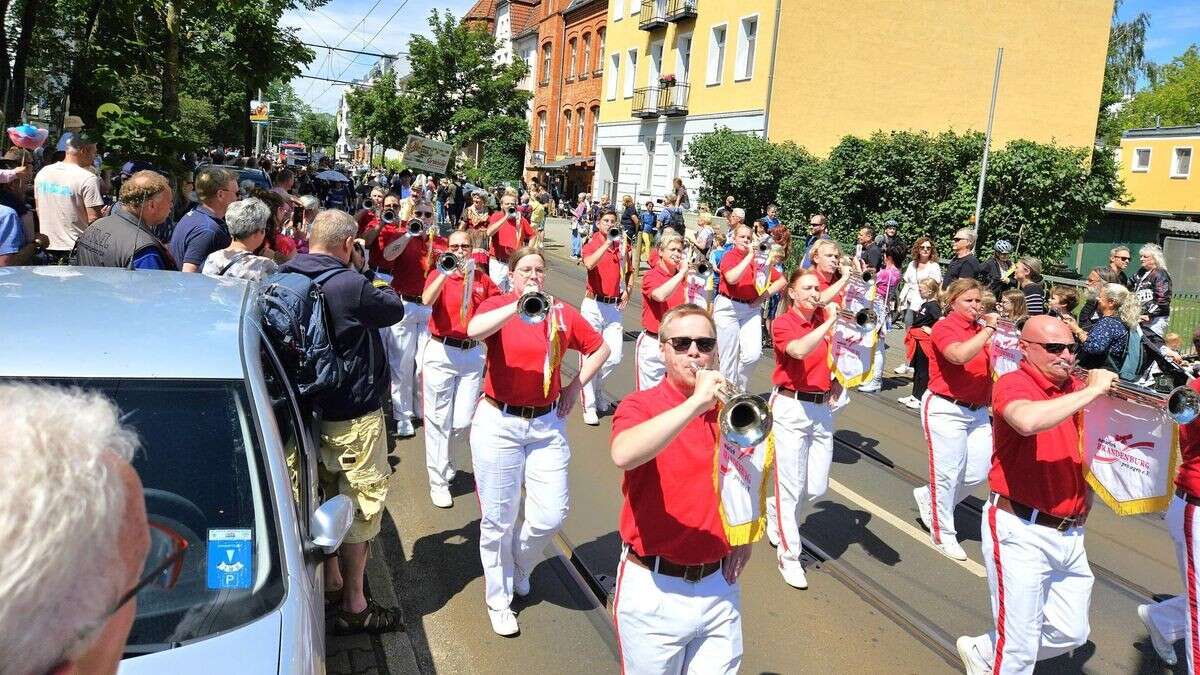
1182, 166
1141, 160
574, 54
614, 71
579, 131
587, 55
630, 72
566, 147
546, 57
683, 57
677, 148
746, 43
716, 55
600, 49
648, 167
541, 144
619, 8
595, 127
654, 64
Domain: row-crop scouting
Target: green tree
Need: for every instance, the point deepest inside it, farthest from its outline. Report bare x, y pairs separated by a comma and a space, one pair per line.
317, 130
1172, 97
748, 167
1125, 65
380, 112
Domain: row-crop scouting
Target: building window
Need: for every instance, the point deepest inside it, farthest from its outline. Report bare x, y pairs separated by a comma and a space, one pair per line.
614, 72
541, 144
745, 53
547, 53
619, 9
1141, 160
654, 64
683, 57
600, 49
648, 167
587, 55
579, 131
630, 72
573, 51
566, 147
716, 55
595, 127
1182, 166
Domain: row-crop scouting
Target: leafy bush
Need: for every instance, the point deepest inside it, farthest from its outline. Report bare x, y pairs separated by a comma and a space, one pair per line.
745, 166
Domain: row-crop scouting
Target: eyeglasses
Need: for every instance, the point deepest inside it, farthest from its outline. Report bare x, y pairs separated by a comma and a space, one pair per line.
1057, 347
424, 214
164, 563
458, 246
683, 343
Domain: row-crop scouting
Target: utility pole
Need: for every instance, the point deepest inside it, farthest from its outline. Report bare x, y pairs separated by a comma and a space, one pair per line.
987, 141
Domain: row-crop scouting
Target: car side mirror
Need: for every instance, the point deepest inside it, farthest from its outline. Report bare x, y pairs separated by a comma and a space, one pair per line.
330, 523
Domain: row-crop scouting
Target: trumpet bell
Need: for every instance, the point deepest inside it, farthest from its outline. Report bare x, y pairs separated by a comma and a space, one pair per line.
388, 217
448, 263
1183, 405
533, 307
745, 420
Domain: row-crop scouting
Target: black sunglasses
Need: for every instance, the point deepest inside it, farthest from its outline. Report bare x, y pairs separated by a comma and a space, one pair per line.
683, 343
1121, 257
1057, 347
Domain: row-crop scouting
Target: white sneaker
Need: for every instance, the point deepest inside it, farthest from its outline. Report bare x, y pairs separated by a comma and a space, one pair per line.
973, 662
913, 402
441, 497
1164, 649
520, 581
793, 575
870, 388
504, 622
921, 496
773, 535
903, 369
590, 418
951, 549
404, 428
903, 400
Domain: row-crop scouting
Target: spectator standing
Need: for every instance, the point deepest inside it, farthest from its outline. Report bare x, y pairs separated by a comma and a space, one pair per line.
890, 237
537, 216
923, 266
867, 250
15, 247
998, 271
282, 181
1118, 262
629, 218
1089, 314
772, 217
1028, 273
1152, 285
72, 126
704, 233
649, 224
923, 319
1063, 301
247, 220
310, 206
887, 280
964, 264
1012, 306
69, 197
724, 209
682, 201
816, 232
126, 238
579, 225
202, 230
721, 246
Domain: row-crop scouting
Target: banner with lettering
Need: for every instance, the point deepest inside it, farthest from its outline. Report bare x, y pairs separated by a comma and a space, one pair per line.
1131, 452
739, 475
1005, 349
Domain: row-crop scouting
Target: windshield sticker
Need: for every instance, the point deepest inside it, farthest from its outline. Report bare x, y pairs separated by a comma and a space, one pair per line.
230, 564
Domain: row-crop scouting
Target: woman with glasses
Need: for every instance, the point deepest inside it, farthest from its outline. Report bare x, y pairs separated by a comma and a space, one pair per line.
663, 287
923, 266
451, 363
746, 282
518, 436
954, 411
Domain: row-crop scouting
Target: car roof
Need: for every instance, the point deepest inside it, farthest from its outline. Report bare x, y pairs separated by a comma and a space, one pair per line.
92, 322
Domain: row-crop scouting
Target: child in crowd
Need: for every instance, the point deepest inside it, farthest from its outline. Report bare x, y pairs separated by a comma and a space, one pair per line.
1063, 301
923, 321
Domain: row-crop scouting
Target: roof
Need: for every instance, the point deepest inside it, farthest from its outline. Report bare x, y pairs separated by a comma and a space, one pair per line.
522, 14
103, 322
579, 4
1163, 132
482, 10
1180, 226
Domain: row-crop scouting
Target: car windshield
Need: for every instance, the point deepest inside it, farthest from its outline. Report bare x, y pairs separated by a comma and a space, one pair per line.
203, 476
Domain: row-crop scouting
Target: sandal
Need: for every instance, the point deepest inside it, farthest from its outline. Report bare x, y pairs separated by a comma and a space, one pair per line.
374, 619
332, 600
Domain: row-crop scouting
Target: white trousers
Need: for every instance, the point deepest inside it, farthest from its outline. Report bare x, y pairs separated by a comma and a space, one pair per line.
1041, 587
739, 338
1172, 617
666, 625
960, 455
403, 343
498, 271
450, 380
650, 368
606, 319
803, 453
506, 453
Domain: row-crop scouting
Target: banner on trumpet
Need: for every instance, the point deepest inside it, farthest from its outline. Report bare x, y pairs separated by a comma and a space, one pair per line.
1004, 351
739, 476
1131, 452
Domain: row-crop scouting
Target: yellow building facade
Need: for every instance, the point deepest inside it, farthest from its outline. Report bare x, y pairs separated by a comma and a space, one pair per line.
1159, 169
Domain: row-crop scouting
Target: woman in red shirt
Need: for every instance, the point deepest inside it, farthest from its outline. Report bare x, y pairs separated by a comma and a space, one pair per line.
803, 420
518, 435
954, 411
746, 281
662, 288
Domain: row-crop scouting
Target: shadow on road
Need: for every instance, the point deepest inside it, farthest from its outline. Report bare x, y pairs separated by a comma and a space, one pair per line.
835, 528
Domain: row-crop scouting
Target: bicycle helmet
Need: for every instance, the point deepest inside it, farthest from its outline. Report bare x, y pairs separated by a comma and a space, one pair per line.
1003, 247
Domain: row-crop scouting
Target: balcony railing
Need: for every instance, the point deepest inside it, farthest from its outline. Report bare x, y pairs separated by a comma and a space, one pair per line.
645, 102
673, 99
653, 15
680, 10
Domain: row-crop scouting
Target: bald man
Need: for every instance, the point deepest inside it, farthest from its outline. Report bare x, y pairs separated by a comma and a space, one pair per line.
1032, 537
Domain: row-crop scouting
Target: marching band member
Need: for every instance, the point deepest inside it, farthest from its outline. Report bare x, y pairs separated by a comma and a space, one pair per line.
518, 435
1033, 548
662, 289
451, 363
832, 276
736, 308
610, 273
410, 256
676, 606
508, 230
954, 412
803, 420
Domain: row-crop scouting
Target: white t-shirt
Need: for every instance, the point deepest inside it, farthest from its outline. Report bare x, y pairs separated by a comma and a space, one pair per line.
912, 276
63, 193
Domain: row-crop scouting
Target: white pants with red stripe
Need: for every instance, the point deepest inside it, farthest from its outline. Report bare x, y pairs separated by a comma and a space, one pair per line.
739, 338
403, 343
1178, 618
650, 367
606, 319
668, 625
506, 453
960, 454
450, 386
1041, 587
803, 452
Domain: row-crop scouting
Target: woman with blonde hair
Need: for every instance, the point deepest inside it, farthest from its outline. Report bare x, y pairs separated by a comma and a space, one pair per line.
1107, 343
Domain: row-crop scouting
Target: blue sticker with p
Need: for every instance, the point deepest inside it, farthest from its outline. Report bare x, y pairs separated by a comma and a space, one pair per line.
230, 559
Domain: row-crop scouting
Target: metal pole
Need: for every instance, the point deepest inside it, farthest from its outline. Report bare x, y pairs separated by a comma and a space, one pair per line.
987, 141
258, 133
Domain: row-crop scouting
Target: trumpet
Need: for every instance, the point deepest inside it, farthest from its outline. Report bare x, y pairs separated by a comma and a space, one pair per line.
415, 227
702, 267
615, 234
448, 263
1181, 404
369, 204
533, 307
388, 217
745, 419
865, 318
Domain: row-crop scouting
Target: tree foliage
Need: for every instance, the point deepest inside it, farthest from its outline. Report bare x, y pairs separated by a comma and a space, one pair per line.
746, 166
317, 130
380, 112
1172, 96
1125, 65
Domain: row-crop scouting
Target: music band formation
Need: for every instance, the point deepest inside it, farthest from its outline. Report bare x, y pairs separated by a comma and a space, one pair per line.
708, 467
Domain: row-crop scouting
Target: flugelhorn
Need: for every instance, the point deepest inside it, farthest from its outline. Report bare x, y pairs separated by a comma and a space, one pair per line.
388, 217
415, 227
369, 204
615, 234
533, 307
865, 318
1181, 404
745, 419
702, 267
448, 263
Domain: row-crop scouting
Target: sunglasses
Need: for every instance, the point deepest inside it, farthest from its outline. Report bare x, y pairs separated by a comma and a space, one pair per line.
164, 563
1121, 257
1057, 347
682, 344
458, 246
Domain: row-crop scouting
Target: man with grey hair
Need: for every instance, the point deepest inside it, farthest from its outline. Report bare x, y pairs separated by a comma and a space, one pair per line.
68, 196
67, 575
126, 238
247, 256
202, 230
1118, 262
964, 264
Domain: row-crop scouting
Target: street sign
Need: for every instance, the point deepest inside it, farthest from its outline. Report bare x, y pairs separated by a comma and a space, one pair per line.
424, 154
260, 111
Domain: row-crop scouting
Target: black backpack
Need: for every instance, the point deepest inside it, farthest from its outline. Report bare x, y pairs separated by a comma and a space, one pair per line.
296, 320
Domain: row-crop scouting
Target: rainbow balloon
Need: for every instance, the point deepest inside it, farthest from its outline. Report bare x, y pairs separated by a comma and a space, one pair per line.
27, 136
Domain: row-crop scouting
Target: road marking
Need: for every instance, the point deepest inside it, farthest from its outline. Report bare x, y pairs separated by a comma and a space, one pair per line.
902, 525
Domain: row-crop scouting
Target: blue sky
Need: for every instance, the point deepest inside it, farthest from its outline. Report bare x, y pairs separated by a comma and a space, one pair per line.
1174, 25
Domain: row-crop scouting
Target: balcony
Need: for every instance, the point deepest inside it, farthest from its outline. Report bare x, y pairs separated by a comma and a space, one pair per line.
653, 15
673, 99
680, 10
645, 102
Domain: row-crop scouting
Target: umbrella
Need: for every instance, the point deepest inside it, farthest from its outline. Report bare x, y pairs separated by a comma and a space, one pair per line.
331, 175
27, 136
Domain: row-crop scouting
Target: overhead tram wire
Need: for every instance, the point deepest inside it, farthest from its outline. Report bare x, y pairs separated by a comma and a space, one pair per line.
376, 35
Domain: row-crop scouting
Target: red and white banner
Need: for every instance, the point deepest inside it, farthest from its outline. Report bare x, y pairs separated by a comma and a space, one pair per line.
695, 289
1131, 452
739, 475
1005, 349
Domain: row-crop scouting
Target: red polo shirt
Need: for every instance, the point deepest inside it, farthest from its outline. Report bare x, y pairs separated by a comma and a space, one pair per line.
445, 311
409, 268
671, 506
809, 374
1189, 445
652, 310
516, 354
971, 382
504, 242
1046, 469
605, 277
744, 290
823, 284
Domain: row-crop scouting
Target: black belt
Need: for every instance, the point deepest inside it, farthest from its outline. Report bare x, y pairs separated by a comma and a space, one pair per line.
968, 406
1183, 494
660, 565
606, 299
809, 396
411, 298
726, 295
455, 342
527, 412
1044, 519
651, 333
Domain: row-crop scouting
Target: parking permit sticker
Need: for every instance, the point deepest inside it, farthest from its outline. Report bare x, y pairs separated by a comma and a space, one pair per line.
230, 564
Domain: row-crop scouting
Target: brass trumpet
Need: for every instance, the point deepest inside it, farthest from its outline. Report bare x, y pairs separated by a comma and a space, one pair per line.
369, 204
745, 419
415, 227
615, 234
388, 217
1181, 404
448, 263
865, 318
533, 307
702, 267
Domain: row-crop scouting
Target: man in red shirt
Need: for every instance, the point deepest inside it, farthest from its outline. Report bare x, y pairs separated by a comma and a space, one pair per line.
610, 271
662, 288
1037, 567
370, 226
746, 282
676, 601
508, 231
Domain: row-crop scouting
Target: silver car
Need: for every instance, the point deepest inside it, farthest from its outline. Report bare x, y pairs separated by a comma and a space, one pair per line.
183, 357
